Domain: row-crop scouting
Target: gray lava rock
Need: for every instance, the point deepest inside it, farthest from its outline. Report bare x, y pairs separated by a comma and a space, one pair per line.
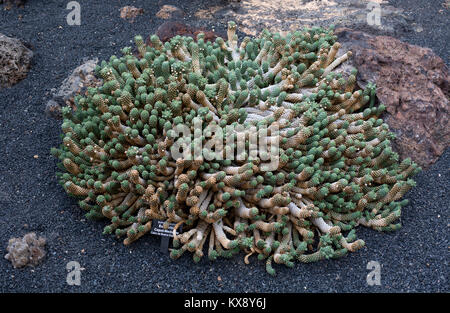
28, 250
413, 83
15, 61
80, 78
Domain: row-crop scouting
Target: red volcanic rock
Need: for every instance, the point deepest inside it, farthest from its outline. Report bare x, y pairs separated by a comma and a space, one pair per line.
414, 85
170, 29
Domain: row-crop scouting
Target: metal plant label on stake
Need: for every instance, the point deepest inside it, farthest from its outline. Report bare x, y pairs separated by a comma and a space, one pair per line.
159, 229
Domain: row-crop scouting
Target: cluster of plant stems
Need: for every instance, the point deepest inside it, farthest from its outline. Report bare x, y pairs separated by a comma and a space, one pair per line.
335, 166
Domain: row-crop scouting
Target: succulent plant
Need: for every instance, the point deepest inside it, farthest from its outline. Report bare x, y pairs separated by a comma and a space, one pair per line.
334, 166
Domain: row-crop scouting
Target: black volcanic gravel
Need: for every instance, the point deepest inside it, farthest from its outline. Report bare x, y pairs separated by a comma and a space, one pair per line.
413, 259
430, 25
